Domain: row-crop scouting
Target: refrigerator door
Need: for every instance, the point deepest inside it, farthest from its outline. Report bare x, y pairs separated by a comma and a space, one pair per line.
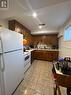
13, 72
2, 89
11, 40
0, 74
0, 82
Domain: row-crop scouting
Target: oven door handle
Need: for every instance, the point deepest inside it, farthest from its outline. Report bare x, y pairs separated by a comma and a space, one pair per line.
27, 57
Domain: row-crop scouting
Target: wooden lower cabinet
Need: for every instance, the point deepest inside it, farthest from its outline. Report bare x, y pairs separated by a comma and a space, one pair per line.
45, 55
32, 56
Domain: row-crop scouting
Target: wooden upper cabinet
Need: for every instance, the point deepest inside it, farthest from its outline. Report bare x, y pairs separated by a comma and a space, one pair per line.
16, 26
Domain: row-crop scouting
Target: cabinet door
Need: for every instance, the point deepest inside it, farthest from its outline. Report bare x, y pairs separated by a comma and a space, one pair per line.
39, 55
45, 55
32, 56
55, 55
48, 55
36, 55
51, 55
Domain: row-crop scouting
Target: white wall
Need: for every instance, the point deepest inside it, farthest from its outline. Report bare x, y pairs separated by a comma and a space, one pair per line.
4, 23
64, 46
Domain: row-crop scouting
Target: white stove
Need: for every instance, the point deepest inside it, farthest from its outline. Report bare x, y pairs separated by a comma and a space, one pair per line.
27, 60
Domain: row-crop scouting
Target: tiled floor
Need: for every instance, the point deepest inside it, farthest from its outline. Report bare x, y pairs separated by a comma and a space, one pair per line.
38, 80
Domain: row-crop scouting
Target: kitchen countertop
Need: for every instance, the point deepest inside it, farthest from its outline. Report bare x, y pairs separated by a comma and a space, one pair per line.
30, 50
25, 53
48, 49
42, 49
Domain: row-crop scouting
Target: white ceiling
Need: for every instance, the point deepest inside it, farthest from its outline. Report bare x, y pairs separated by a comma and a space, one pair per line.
51, 12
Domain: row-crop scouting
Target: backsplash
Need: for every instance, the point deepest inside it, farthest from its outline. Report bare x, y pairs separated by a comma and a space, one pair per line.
45, 41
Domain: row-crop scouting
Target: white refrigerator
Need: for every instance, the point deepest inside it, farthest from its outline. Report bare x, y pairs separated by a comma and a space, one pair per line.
11, 61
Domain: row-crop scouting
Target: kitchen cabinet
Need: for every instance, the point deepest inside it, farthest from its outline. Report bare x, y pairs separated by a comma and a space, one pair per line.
18, 27
45, 55
32, 56
15, 26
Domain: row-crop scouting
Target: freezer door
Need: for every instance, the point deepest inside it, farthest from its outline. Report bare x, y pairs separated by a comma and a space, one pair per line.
14, 70
11, 40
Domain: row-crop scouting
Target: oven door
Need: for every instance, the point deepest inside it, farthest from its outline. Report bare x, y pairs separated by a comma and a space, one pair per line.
27, 61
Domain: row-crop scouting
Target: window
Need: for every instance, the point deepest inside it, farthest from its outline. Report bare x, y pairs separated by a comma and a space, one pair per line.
67, 34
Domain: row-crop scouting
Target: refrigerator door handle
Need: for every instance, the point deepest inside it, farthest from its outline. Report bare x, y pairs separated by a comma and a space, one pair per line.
2, 65
0, 62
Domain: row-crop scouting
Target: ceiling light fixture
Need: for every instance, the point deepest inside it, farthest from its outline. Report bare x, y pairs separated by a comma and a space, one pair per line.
40, 27
34, 15
42, 24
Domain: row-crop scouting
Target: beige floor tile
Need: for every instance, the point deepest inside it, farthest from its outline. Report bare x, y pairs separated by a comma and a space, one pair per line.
28, 91
38, 80
38, 93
